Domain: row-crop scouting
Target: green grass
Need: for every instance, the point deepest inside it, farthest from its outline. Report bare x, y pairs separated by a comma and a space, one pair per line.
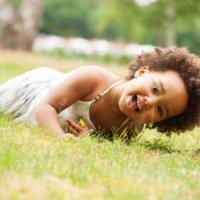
36, 165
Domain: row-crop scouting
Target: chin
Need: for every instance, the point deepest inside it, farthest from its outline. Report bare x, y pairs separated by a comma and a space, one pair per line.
123, 104
124, 109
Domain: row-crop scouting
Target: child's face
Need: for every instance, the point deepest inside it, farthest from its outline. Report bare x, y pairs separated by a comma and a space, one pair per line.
153, 96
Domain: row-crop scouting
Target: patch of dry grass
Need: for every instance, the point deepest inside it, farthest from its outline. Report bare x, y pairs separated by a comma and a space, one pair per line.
30, 60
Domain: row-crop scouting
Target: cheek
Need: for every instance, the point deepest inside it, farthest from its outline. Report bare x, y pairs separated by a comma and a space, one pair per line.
145, 117
121, 103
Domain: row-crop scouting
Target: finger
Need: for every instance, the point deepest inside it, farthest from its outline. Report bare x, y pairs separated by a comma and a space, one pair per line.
83, 124
75, 125
80, 131
70, 124
78, 125
73, 131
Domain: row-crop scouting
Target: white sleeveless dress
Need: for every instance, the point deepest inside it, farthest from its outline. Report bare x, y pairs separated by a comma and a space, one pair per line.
20, 96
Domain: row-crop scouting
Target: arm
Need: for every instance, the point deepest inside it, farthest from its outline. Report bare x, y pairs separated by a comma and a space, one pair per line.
79, 86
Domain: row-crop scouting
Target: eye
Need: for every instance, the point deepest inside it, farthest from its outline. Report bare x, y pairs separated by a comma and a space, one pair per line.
155, 88
160, 111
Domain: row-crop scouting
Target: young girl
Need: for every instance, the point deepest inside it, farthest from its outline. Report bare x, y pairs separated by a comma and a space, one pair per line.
163, 88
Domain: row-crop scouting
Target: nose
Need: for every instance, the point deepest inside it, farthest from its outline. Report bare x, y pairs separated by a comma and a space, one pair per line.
145, 102
149, 102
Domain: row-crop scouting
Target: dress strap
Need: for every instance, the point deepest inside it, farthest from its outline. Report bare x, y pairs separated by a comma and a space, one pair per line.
99, 96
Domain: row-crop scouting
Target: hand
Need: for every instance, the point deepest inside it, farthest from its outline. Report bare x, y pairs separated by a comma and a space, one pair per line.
78, 129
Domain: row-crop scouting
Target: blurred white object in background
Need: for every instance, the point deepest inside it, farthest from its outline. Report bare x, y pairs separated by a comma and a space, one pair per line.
102, 47
99, 47
144, 2
48, 43
136, 49
78, 45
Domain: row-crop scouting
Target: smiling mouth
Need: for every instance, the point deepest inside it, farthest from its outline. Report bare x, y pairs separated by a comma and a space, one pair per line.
134, 104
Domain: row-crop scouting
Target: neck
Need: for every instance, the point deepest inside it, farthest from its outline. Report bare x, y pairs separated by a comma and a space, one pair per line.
110, 102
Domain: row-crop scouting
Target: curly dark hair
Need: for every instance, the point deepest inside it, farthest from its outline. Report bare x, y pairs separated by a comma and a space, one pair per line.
188, 67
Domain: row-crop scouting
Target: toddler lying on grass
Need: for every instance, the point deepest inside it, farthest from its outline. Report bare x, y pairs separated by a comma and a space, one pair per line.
162, 87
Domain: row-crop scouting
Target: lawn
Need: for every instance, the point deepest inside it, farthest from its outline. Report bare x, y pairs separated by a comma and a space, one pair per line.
36, 165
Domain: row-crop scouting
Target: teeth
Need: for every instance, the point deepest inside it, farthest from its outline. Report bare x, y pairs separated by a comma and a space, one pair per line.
138, 103
135, 98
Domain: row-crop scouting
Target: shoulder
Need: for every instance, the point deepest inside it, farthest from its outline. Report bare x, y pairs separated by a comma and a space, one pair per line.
91, 80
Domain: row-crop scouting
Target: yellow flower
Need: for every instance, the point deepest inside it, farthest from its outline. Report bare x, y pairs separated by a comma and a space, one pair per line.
82, 122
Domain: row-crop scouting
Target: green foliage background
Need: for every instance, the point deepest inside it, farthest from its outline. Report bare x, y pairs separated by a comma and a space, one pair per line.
123, 20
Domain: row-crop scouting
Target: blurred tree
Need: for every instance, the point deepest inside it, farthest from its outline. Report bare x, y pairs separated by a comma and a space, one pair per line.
19, 22
133, 22
115, 19
161, 23
170, 18
68, 17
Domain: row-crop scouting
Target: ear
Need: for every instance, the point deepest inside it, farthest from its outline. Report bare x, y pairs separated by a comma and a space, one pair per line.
143, 70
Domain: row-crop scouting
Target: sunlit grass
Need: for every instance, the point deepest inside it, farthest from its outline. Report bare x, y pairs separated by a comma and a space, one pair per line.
36, 165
